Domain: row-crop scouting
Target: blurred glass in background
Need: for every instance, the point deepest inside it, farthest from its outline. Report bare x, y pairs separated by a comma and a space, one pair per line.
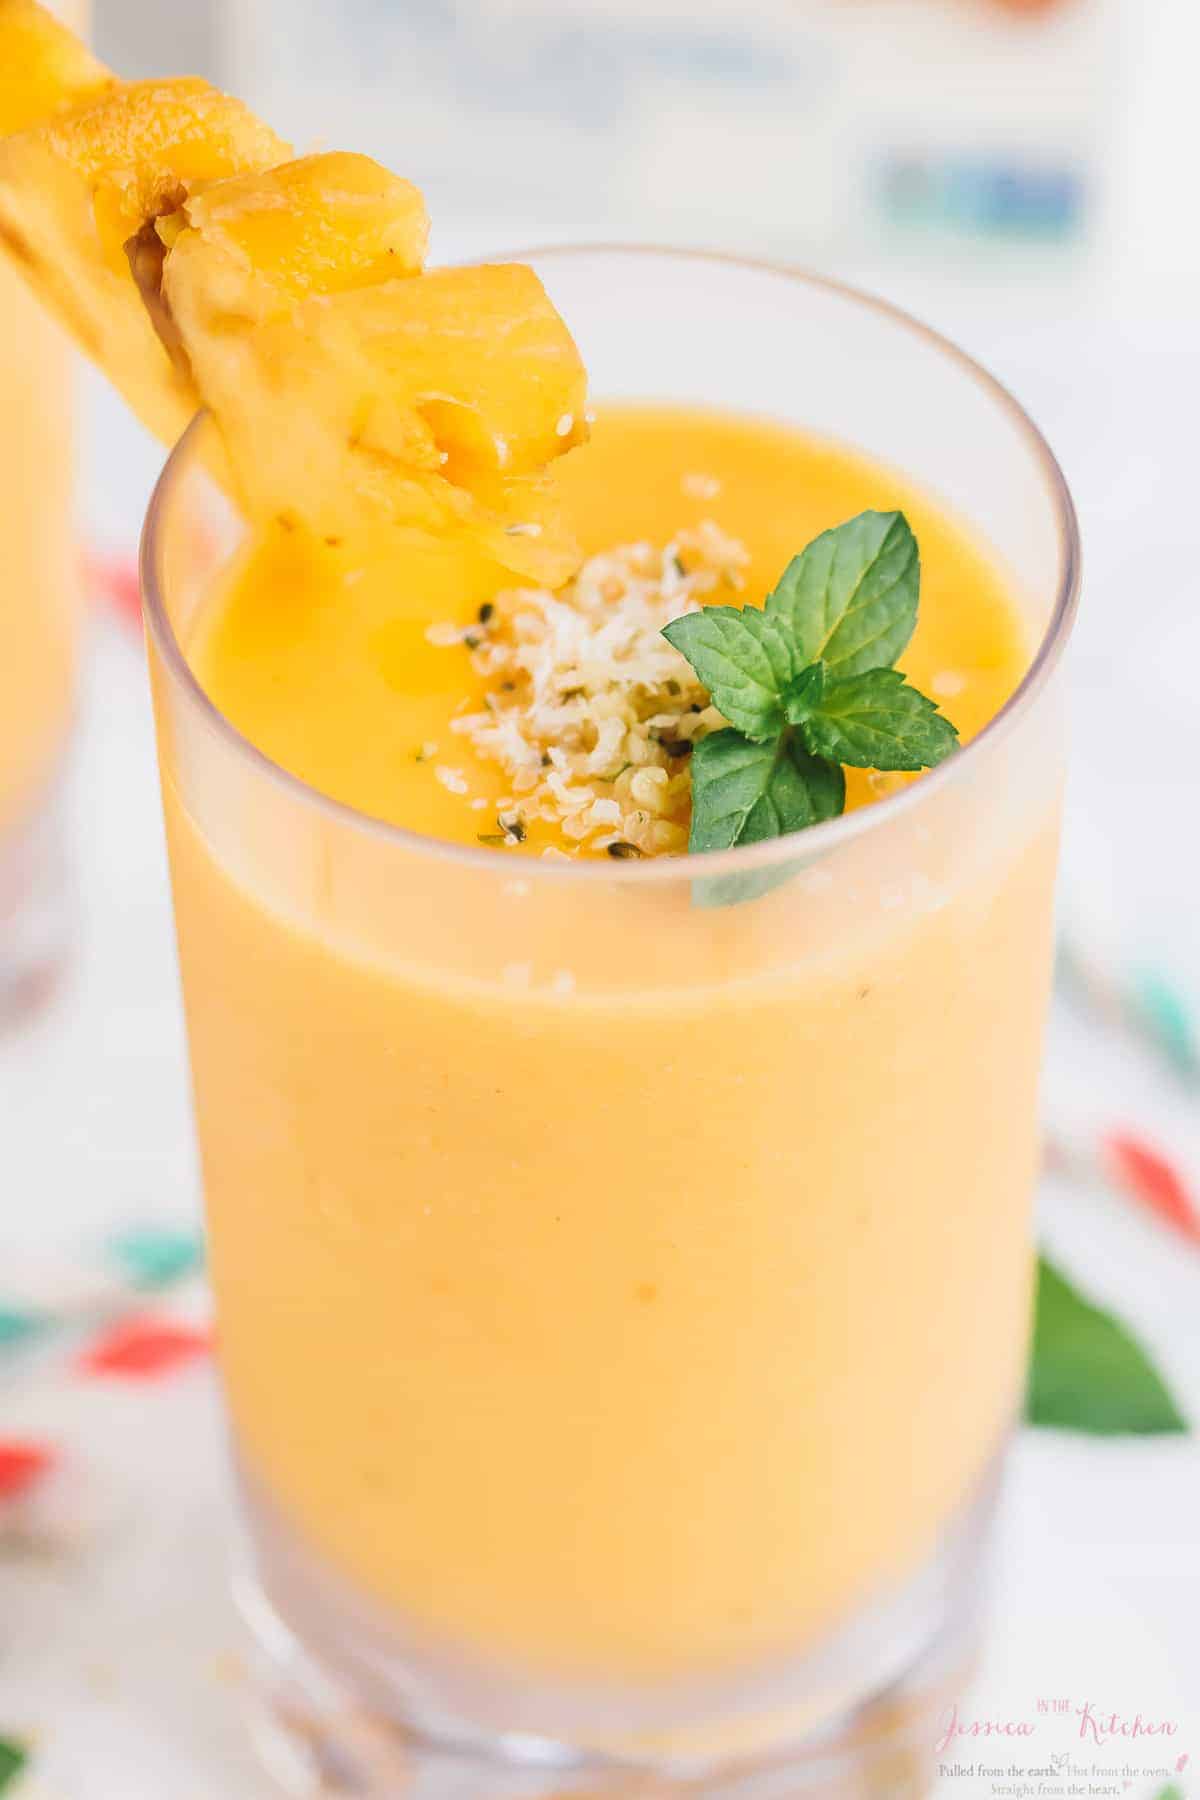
40, 629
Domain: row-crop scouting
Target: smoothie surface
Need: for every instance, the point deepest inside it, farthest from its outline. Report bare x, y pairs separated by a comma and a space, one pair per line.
323, 657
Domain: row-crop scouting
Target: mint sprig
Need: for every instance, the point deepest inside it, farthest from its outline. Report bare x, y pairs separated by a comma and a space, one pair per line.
807, 685
1087, 1372
876, 721
744, 791
744, 660
850, 600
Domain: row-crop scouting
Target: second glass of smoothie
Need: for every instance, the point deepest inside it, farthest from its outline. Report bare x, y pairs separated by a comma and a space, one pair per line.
39, 638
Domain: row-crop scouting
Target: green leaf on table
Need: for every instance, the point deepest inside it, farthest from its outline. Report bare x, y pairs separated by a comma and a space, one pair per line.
877, 721
850, 599
12, 1760
1088, 1373
744, 661
1170, 1792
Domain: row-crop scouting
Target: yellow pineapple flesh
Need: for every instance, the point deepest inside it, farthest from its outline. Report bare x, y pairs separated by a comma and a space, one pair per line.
79, 187
430, 402
201, 266
44, 68
484, 356
318, 225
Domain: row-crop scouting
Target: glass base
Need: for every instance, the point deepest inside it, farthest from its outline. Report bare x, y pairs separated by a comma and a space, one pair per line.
36, 916
856, 1719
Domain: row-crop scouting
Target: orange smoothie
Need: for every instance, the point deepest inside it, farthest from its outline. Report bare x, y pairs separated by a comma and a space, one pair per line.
607, 1285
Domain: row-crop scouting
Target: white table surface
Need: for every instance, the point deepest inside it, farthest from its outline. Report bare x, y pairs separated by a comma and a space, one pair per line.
120, 1661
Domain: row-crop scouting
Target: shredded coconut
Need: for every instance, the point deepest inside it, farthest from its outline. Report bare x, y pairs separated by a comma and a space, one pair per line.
589, 711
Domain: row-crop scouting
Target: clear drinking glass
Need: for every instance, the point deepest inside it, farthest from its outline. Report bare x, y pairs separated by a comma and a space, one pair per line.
39, 638
601, 1430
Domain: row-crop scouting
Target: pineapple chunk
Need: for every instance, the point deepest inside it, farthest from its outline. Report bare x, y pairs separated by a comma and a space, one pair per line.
200, 267
484, 357
291, 396
318, 225
428, 403
77, 194
43, 67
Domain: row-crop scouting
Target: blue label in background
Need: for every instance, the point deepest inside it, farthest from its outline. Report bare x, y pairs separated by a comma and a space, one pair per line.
983, 196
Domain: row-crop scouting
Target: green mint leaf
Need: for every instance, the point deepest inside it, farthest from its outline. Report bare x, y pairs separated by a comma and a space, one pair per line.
876, 721
850, 599
806, 685
744, 661
747, 884
1088, 1373
744, 793
804, 694
12, 1760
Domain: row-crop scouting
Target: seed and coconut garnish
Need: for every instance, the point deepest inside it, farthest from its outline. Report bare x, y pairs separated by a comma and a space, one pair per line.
588, 710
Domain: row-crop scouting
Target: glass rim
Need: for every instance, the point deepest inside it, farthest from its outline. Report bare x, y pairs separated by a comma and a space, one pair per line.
817, 839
